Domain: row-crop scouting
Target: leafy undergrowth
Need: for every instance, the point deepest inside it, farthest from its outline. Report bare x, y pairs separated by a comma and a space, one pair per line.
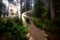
48, 26
44, 24
12, 29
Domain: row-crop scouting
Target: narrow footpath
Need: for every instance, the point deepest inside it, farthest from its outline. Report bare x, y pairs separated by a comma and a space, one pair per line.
36, 33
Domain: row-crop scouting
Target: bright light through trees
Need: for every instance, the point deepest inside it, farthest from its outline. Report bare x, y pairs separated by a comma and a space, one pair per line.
19, 4
12, 4
5, 2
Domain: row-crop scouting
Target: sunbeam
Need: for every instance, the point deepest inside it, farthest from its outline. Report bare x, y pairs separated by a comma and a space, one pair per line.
12, 7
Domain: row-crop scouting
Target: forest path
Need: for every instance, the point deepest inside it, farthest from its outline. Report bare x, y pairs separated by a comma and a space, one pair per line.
35, 32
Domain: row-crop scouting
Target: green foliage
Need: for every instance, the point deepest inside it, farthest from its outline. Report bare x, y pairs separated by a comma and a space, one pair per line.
42, 18
15, 30
36, 21
44, 22
38, 8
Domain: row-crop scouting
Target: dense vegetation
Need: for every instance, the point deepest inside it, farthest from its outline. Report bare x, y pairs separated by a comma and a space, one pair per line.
12, 29
42, 17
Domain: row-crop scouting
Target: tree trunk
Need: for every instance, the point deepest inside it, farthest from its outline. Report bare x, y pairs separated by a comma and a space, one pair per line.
52, 11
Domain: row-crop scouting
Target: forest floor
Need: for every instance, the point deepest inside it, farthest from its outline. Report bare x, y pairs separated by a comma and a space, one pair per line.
36, 33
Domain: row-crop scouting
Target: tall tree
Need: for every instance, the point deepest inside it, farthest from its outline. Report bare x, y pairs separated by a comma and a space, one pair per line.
38, 8
0, 7
52, 10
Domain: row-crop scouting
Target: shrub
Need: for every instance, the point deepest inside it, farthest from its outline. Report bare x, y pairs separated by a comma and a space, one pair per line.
12, 30
36, 22
44, 24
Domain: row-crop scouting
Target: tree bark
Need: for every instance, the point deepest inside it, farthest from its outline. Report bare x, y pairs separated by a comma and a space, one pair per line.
52, 11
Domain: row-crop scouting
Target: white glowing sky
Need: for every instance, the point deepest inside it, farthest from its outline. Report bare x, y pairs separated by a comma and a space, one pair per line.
14, 0
6, 3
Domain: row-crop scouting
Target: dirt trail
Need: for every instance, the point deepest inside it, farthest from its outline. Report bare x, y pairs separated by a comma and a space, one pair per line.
35, 32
